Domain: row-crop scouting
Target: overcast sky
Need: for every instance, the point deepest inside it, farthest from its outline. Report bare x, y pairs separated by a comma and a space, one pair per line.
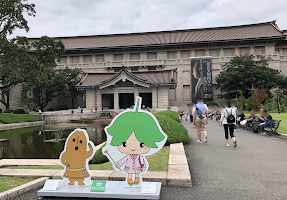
93, 17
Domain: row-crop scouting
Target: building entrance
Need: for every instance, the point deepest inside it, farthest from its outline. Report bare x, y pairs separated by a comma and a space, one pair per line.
146, 99
126, 100
108, 101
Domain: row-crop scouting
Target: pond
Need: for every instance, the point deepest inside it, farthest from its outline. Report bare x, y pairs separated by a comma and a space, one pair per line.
35, 142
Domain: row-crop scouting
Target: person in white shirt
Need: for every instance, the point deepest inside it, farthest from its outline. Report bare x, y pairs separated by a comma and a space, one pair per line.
200, 119
228, 119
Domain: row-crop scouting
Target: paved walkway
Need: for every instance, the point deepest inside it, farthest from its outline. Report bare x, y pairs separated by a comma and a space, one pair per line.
256, 169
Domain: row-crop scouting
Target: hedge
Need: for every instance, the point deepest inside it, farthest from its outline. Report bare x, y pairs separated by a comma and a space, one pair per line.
61, 107
171, 114
175, 131
19, 111
50, 109
99, 157
211, 103
8, 118
8, 111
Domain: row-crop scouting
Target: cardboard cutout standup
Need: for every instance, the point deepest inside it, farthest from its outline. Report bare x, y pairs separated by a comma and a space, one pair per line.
75, 158
132, 135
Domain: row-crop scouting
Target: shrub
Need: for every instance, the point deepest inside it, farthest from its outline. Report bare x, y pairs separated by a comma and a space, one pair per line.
8, 118
99, 157
50, 109
61, 107
19, 111
8, 111
211, 103
171, 114
175, 131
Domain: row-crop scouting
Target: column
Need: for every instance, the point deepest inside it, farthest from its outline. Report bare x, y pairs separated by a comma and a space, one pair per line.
252, 50
236, 51
116, 99
154, 97
90, 98
136, 93
98, 98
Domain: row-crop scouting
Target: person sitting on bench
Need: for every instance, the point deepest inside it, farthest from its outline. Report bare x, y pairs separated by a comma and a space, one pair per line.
258, 120
267, 116
241, 117
249, 119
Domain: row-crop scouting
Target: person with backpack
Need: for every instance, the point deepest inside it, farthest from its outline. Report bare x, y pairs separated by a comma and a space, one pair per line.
228, 118
200, 119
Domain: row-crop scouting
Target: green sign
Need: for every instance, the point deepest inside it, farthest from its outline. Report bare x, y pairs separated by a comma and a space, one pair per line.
98, 186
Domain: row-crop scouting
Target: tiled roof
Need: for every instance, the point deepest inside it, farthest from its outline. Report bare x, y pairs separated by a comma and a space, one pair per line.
230, 33
154, 77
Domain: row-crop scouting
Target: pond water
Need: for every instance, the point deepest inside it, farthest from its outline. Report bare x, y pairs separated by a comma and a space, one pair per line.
30, 142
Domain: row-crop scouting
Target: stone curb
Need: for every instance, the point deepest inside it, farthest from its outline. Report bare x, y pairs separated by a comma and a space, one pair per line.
14, 192
282, 136
21, 125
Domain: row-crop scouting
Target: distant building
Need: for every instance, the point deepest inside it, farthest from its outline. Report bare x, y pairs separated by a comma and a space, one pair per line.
157, 65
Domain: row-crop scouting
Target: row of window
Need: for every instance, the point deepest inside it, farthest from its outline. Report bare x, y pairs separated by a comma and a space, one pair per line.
170, 54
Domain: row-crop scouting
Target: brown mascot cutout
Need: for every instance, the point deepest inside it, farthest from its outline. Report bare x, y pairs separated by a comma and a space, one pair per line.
75, 157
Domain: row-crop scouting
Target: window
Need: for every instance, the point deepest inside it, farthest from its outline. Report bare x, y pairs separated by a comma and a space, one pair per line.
199, 53
284, 51
228, 52
63, 60
135, 56
100, 58
259, 50
88, 59
134, 69
185, 54
171, 54
118, 57
244, 50
151, 55
151, 68
186, 92
277, 50
171, 94
74, 59
213, 52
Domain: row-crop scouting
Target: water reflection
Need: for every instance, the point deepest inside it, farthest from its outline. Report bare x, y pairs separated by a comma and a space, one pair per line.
30, 143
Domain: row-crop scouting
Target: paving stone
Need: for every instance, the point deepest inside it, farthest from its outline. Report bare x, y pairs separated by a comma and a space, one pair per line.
41, 162
177, 160
101, 174
58, 175
4, 170
30, 173
176, 149
11, 162
155, 176
117, 176
178, 175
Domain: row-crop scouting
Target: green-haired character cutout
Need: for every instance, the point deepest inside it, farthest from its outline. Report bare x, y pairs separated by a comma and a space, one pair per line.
131, 136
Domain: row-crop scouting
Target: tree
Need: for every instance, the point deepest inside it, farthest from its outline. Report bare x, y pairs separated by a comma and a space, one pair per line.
11, 15
43, 84
259, 95
70, 78
243, 72
280, 101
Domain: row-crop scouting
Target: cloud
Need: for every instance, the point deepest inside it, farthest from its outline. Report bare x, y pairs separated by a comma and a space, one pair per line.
92, 17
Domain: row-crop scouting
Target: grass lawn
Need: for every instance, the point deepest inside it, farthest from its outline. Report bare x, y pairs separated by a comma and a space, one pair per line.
157, 162
283, 117
8, 118
7, 183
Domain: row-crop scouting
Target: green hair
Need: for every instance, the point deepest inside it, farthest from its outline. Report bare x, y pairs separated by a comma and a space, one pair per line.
144, 125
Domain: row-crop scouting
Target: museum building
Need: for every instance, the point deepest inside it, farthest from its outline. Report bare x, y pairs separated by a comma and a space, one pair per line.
157, 65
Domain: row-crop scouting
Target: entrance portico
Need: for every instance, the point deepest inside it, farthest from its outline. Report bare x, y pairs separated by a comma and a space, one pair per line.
118, 90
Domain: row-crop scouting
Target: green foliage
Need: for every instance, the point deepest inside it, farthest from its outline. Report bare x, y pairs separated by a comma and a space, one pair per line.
241, 72
10, 132
211, 103
0, 110
19, 111
8, 111
7, 183
171, 114
280, 101
61, 107
58, 135
99, 157
70, 78
8, 118
175, 131
11, 15
50, 109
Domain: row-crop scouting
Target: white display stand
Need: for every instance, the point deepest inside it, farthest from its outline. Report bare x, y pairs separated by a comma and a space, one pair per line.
114, 189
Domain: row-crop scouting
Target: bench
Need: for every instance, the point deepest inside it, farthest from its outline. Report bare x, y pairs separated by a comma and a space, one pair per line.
272, 126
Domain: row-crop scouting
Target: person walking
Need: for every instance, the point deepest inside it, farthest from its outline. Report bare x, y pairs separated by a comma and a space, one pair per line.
228, 119
200, 119
185, 116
